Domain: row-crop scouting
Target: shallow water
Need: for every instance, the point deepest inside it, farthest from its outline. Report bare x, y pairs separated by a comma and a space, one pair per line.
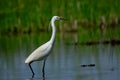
67, 61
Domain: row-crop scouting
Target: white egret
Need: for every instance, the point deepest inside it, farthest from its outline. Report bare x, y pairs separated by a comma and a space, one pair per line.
43, 51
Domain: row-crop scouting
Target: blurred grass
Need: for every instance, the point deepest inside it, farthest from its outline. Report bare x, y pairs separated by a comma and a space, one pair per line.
32, 16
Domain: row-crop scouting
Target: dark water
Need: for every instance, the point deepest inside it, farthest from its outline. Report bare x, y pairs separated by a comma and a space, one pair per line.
67, 61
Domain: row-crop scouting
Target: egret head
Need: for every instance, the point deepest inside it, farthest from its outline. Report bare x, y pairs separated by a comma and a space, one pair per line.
58, 18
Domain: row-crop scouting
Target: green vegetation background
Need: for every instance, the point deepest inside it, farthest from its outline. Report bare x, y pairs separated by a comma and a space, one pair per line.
33, 16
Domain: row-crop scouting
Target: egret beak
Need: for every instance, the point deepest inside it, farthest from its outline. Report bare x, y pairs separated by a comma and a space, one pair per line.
62, 18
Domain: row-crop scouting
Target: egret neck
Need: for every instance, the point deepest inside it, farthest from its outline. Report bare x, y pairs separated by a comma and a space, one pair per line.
53, 31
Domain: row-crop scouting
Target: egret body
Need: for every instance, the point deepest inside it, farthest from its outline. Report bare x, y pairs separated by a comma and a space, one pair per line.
43, 51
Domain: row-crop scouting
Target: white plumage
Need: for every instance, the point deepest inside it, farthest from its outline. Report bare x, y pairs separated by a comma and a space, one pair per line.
43, 51
40, 53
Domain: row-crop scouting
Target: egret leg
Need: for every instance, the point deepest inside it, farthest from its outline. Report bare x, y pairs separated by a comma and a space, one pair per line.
43, 69
31, 70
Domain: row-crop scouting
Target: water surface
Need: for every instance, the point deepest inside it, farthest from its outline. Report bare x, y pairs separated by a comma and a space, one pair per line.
67, 61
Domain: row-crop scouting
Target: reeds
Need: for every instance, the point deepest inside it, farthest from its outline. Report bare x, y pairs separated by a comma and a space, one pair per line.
33, 16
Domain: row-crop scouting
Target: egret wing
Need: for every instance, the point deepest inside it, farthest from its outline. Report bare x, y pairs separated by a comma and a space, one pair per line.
40, 53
